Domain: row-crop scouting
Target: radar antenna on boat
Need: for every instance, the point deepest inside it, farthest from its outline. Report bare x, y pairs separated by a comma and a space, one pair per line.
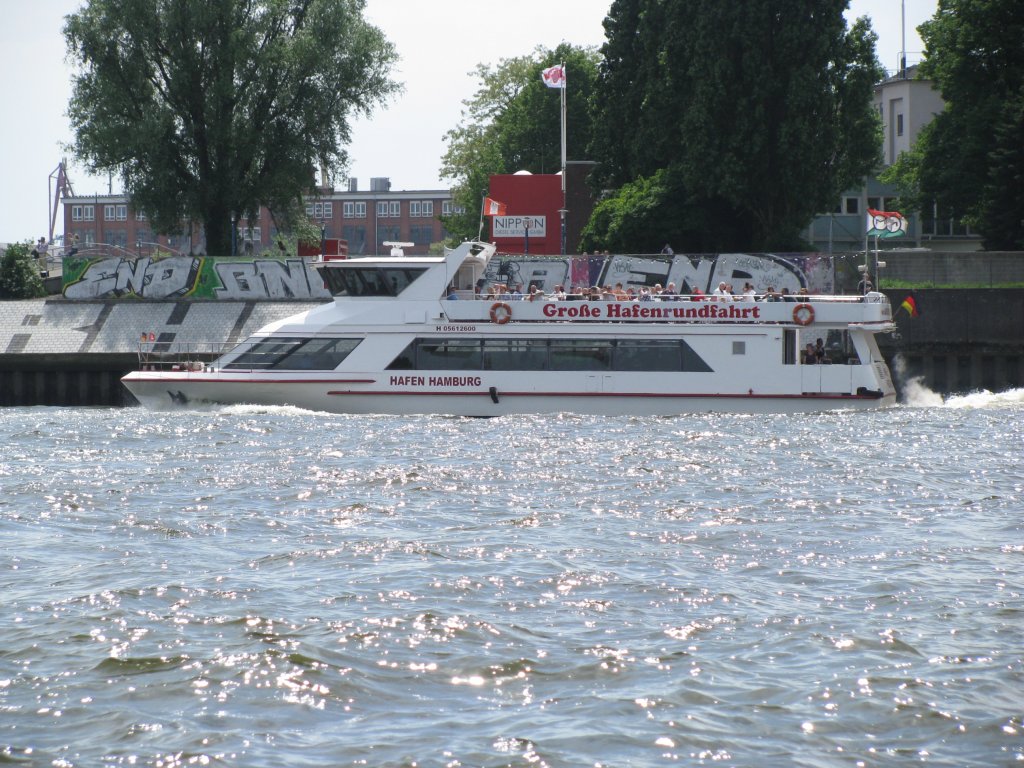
396, 247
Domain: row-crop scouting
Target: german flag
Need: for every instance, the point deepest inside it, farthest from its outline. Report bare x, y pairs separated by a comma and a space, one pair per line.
910, 305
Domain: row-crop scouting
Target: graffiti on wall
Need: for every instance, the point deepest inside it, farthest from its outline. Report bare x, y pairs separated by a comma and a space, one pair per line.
792, 271
192, 276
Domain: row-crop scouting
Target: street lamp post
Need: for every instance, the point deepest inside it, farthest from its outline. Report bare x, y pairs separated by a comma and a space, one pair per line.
323, 239
233, 233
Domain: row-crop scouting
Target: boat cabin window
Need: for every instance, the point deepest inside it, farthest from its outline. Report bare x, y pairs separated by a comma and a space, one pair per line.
369, 280
291, 354
531, 354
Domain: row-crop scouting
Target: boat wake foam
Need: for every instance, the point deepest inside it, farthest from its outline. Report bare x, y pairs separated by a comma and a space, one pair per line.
917, 395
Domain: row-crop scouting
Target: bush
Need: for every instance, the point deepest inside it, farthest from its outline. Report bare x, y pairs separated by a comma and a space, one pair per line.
19, 274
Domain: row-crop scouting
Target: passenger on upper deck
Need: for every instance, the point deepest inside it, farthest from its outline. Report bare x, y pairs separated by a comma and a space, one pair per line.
771, 294
721, 293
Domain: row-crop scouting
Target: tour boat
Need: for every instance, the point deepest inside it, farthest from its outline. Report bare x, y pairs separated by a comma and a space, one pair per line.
398, 338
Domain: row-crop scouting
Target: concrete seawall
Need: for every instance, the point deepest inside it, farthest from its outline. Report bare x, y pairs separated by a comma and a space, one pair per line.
60, 352
963, 340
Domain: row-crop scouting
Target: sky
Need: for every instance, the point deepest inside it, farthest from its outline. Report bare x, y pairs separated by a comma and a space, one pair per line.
439, 43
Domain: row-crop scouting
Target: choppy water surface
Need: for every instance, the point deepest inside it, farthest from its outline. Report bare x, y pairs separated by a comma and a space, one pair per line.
268, 587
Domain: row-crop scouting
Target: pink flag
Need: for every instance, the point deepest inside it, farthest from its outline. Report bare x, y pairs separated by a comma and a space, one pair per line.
554, 77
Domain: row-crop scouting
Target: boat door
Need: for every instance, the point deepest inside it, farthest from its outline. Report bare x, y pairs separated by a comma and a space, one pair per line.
597, 383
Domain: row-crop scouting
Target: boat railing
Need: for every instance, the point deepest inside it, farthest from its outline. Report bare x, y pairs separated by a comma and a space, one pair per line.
667, 297
180, 355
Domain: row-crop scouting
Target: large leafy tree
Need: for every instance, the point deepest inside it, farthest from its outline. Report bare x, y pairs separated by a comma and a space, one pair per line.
752, 116
969, 161
513, 123
209, 108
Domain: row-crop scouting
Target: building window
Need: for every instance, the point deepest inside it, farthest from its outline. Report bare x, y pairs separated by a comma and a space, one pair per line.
76, 213
874, 204
428, 208
355, 236
448, 208
117, 238
88, 213
354, 210
108, 212
140, 216
122, 213
389, 234
421, 235
395, 209
382, 209
851, 204
899, 124
414, 209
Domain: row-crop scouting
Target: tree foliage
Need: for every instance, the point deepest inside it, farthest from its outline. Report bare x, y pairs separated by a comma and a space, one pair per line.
206, 108
753, 116
969, 162
19, 276
513, 123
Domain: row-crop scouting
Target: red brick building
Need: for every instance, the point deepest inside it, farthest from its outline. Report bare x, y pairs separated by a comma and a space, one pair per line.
365, 219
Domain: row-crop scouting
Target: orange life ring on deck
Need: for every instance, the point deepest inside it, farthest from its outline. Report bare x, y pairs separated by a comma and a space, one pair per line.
803, 314
501, 313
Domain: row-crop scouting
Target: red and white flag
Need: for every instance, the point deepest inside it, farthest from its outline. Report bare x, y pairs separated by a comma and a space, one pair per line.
554, 77
493, 207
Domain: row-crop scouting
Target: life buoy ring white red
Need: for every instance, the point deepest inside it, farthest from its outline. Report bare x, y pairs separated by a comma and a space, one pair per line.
501, 313
803, 314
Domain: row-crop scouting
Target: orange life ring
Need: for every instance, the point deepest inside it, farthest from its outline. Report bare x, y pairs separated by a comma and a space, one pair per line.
803, 314
501, 313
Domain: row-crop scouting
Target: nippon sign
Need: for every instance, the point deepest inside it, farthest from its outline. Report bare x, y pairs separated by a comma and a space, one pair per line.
517, 226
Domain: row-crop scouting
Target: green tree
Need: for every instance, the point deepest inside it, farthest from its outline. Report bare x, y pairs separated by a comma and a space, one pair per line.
208, 108
513, 123
968, 161
19, 276
761, 114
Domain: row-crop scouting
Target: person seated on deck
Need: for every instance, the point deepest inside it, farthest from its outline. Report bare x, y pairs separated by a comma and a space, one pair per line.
785, 295
670, 294
536, 294
802, 294
696, 294
559, 294
619, 293
595, 293
771, 294
749, 294
810, 358
657, 292
645, 294
452, 295
607, 294
721, 293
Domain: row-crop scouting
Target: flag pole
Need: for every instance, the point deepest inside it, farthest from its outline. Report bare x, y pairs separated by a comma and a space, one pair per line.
565, 86
480, 231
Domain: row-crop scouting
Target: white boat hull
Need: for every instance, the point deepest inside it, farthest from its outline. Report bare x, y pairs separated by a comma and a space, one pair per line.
364, 396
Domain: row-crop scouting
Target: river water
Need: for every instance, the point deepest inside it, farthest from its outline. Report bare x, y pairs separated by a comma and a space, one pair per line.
269, 587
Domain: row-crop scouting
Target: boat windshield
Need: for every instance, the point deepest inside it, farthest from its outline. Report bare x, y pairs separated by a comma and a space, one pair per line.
293, 354
351, 280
